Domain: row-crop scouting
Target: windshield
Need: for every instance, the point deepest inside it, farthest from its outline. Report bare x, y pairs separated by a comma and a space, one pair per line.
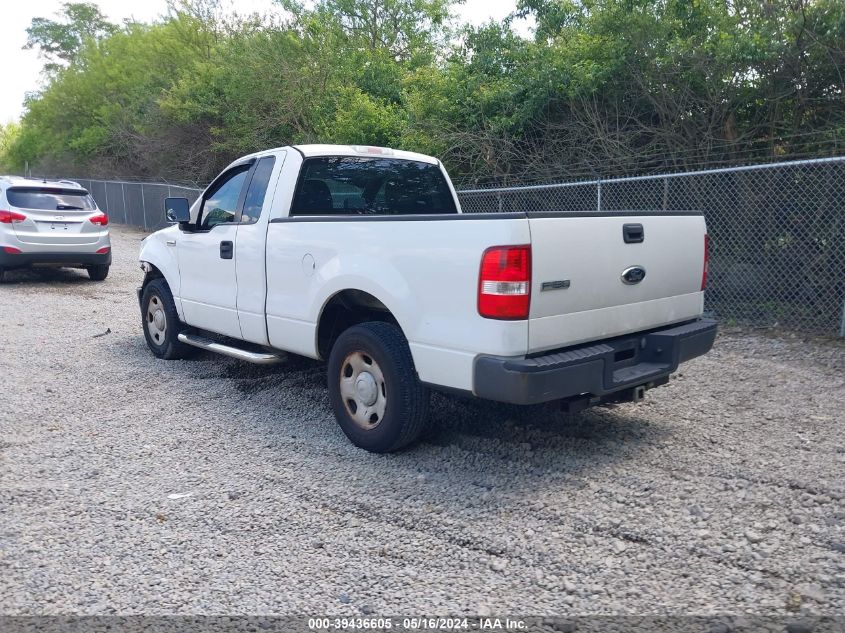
49, 199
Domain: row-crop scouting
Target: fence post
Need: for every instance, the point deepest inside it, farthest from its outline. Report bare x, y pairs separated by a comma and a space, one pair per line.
598, 196
123, 195
169, 192
665, 193
842, 327
499, 198
144, 206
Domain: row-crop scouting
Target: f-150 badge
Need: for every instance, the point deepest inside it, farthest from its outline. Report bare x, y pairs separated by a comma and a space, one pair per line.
559, 284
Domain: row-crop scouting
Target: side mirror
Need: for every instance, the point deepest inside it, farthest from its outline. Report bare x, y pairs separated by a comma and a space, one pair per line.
177, 210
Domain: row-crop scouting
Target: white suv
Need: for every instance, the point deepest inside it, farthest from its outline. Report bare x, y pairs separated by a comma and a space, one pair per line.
52, 223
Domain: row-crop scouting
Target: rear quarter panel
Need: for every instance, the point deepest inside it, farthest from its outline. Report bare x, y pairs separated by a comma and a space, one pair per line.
425, 271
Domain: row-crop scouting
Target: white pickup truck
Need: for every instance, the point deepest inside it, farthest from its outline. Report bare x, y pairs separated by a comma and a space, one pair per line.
361, 256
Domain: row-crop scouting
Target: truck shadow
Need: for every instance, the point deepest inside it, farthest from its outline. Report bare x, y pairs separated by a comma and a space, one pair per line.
459, 420
470, 423
542, 437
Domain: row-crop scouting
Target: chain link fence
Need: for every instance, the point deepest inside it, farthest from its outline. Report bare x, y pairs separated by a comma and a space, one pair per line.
139, 204
777, 231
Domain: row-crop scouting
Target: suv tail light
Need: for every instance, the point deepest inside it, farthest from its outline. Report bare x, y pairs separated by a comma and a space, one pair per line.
101, 218
504, 283
8, 217
706, 261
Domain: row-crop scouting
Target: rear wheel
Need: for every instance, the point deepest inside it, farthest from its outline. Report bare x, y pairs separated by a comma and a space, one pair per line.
377, 399
98, 272
161, 322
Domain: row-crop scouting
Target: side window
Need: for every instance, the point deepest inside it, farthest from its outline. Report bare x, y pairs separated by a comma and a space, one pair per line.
220, 205
254, 200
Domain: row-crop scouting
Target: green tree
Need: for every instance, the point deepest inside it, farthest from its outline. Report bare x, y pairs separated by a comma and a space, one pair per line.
61, 41
9, 134
604, 87
402, 28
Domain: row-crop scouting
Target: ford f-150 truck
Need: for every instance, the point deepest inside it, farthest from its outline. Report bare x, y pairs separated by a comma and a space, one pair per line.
360, 256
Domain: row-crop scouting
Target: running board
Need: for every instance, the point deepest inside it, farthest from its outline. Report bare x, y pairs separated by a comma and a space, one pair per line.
259, 358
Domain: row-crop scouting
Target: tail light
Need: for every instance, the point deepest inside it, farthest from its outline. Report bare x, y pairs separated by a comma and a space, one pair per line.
11, 250
103, 251
9, 217
101, 218
706, 261
504, 283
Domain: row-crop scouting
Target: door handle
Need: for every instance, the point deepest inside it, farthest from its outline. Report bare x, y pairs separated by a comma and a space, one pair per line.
227, 250
171, 242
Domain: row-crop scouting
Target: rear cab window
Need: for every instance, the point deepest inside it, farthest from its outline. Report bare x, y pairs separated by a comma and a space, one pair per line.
351, 185
50, 199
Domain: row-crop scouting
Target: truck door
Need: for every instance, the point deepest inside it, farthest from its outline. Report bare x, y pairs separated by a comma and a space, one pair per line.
207, 256
250, 260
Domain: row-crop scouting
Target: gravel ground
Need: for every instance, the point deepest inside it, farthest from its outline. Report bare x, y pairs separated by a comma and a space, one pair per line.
133, 485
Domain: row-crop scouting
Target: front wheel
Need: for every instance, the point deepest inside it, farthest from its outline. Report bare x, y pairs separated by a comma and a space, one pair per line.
377, 399
98, 272
161, 322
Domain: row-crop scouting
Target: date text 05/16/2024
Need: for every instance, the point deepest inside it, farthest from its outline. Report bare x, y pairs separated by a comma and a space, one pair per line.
417, 624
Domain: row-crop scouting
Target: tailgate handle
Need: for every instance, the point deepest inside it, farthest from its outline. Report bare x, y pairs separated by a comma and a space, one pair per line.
227, 250
633, 233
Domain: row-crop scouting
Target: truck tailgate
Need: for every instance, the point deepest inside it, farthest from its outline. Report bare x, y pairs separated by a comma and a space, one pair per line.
580, 289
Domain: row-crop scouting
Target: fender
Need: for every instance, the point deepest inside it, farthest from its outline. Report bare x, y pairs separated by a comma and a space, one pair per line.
385, 283
379, 297
156, 252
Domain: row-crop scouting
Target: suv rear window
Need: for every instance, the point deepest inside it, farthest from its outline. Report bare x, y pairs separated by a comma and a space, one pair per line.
49, 199
348, 185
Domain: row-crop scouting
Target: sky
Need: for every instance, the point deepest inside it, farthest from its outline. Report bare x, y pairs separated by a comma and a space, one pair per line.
22, 68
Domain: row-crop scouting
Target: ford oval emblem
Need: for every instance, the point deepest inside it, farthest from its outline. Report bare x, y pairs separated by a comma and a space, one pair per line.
633, 275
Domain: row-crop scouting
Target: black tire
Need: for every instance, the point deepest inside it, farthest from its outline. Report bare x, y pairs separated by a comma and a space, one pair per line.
406, 399
98, 272
2, 275
165, 345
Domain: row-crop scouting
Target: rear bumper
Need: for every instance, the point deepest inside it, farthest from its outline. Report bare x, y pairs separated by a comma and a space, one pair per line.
596, 369
22, 260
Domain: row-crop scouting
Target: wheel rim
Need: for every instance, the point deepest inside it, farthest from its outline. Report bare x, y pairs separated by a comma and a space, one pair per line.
363, 390
156, 320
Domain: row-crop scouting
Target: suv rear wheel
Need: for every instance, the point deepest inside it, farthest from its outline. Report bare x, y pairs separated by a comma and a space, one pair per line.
98, 272
377, 399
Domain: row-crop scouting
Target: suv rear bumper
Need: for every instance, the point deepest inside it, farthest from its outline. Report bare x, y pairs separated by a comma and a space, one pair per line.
22, 260
596, 369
